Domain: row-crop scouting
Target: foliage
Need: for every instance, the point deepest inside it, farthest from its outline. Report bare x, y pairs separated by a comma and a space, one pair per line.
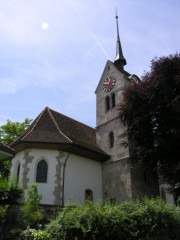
146, 219
3, 212
26, 234
36, 234
41, 235
31, 210
11, 131
151, 110
4, 168
10, 192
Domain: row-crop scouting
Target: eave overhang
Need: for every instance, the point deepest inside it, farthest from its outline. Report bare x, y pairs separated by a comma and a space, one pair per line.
6, 152
68, 147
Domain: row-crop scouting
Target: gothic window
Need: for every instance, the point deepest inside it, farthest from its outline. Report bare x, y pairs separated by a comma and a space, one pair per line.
88, 195
107, 103
111, 139
113, 99
41, 172
18, 172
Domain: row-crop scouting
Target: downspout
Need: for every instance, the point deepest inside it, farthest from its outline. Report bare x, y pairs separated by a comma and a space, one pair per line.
63, 184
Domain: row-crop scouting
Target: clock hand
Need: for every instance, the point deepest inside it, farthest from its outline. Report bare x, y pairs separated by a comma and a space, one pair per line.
107, 81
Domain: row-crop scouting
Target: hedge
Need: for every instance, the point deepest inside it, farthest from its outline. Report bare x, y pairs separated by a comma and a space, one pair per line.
146, 219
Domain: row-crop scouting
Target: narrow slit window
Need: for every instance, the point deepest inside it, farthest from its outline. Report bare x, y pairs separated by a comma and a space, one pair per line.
107, 103
113, 99
111, 139
18, 172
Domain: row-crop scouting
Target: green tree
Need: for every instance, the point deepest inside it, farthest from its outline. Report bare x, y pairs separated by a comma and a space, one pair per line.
151, 110
32, 213
10, 132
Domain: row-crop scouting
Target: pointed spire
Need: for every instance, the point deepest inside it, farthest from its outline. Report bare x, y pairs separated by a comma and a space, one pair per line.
120, 61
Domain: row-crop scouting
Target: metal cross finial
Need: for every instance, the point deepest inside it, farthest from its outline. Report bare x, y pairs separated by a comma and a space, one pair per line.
116, 12
117, 22
119, 59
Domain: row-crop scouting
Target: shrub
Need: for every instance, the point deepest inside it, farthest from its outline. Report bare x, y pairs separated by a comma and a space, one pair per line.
41, 235
35, 234
3, 212
10, 192
32, 213
147, 219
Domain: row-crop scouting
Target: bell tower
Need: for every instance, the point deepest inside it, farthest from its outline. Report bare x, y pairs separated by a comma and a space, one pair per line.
110, 131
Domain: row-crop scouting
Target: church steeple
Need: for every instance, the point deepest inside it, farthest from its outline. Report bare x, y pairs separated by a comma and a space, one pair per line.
119, 61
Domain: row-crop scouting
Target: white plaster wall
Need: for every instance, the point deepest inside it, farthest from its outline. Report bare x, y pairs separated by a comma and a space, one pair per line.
14, 162
82, 174
46, 189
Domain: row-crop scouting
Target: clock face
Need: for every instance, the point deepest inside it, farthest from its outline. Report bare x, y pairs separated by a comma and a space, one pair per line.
109, 83
134, 79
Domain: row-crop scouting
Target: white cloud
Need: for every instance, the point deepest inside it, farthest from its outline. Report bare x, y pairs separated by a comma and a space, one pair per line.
45, 26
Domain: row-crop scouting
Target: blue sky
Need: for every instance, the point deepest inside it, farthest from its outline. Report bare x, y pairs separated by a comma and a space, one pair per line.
53, 52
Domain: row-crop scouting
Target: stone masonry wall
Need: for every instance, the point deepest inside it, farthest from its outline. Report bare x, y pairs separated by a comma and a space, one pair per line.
116, 181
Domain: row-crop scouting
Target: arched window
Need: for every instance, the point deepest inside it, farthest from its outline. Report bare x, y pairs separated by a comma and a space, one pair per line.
113, 100
88, 195
18, 172
111, 139
107, 103
41, 172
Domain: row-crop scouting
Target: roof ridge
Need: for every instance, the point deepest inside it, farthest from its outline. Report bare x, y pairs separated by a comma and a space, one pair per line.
37, 120
74, 120
59, 130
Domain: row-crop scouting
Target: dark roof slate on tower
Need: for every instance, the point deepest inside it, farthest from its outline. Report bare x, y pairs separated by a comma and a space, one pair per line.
119, 61
57, 131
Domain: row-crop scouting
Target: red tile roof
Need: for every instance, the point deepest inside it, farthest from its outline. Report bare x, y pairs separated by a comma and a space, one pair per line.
55, 130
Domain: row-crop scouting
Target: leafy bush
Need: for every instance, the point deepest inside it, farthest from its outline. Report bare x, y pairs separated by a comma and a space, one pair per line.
10, 192
3, 212
32, 213
35, 234
41, 235
147, 219
27, 234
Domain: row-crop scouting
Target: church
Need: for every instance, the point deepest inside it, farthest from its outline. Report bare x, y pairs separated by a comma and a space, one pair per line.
71, 162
